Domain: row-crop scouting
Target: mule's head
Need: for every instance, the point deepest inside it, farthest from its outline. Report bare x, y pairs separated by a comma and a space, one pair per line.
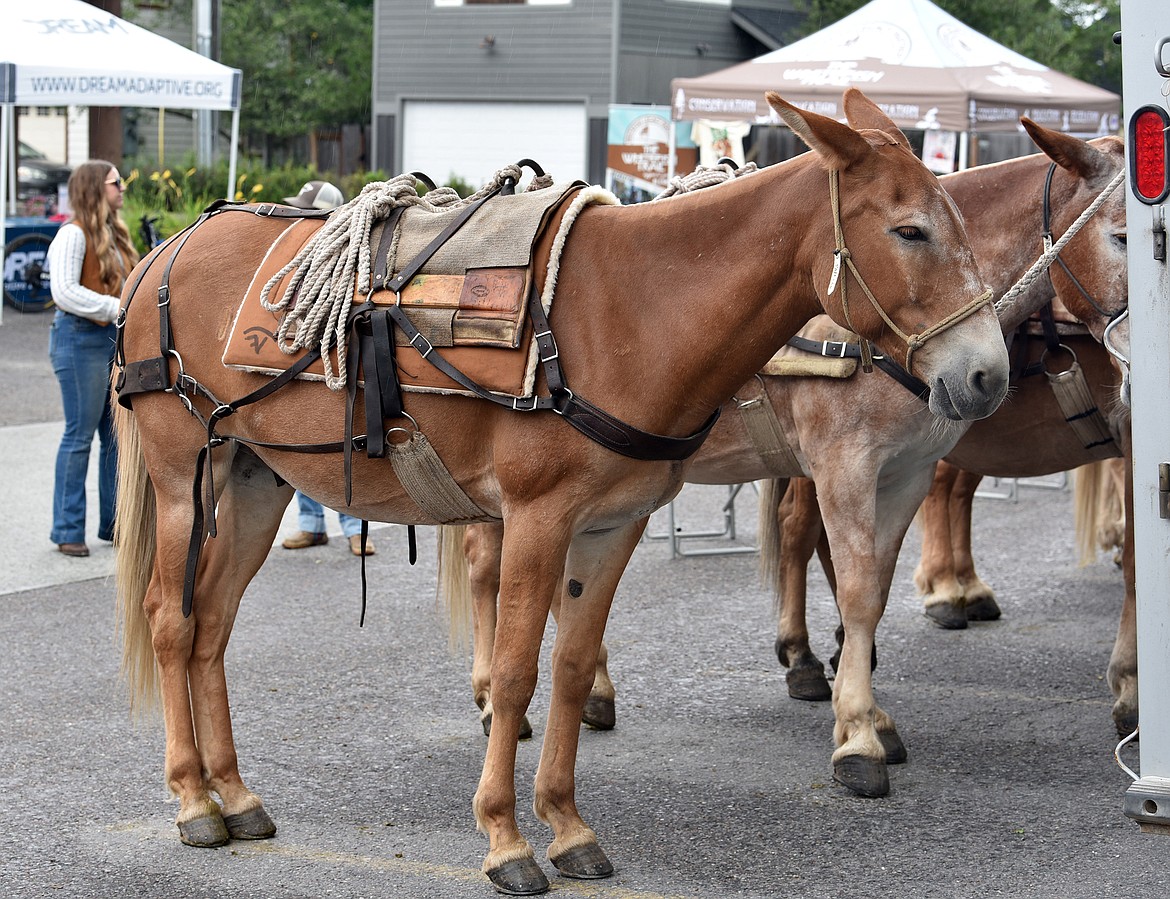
1090, 274
899, 269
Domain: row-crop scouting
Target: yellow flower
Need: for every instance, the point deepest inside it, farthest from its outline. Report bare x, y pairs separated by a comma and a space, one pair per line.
256, 188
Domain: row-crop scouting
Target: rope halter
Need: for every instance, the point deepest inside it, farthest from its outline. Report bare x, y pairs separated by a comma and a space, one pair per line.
841, 255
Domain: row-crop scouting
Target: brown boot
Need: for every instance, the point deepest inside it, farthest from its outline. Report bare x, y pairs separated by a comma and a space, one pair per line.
355, 545
304, 539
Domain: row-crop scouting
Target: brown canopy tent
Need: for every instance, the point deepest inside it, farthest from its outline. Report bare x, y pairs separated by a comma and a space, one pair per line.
924, 67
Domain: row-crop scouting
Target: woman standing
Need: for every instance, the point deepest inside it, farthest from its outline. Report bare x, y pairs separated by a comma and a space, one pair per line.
89, 260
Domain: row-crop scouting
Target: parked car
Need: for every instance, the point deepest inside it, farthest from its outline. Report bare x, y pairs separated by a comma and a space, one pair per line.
37, 175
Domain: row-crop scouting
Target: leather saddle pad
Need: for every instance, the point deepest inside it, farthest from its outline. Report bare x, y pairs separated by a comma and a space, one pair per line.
476, 319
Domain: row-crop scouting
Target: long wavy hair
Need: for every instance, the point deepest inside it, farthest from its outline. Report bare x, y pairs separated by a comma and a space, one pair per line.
105, 232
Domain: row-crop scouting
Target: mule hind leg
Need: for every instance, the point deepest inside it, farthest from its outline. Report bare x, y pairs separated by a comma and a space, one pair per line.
200, 755
1122, 673
978, 598
935, 575
800, 530
248, 516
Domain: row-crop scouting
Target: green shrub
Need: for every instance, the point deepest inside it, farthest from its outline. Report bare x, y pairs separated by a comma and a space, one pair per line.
176, 195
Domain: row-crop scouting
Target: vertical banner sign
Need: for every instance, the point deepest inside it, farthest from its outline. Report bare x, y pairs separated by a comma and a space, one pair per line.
638, 155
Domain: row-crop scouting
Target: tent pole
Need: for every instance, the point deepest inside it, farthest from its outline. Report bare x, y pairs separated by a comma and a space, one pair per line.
10, 165
673, 143
231, 187
5, 124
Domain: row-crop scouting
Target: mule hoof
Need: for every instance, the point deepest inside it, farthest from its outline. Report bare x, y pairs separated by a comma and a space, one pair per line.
863, 776
205, 833
894, 747
586, 862
519, 877
947, 616
1126, 722
599, 713
251, 825
525, 727
983, 609
808, 683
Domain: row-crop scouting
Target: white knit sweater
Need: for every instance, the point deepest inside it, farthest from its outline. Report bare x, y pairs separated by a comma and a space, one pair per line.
65, 256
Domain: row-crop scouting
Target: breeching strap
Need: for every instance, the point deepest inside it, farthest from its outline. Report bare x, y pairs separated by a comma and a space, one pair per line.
841, 254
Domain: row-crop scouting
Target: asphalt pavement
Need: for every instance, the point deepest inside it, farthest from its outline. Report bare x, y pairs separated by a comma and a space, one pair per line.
365, 742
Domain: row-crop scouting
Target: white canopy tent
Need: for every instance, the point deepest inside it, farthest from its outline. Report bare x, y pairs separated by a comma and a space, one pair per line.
924, 67
67, 52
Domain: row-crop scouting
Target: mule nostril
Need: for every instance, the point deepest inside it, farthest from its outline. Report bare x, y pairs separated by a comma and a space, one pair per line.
979, 382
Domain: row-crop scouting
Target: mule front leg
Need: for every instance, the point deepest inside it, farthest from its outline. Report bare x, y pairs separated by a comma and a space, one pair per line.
859, 761
600, 712
531, 565
594, 567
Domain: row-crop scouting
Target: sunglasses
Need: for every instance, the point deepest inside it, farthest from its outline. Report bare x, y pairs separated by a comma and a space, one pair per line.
120, 182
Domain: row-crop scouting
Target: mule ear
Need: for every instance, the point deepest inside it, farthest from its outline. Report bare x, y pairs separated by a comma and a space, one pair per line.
862, 112
838, 145
1077, 156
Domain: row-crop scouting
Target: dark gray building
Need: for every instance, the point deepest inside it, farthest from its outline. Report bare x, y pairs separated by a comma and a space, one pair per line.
462, 87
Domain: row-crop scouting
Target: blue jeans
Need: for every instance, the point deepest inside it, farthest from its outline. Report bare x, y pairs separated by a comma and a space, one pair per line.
82, 354
312, 517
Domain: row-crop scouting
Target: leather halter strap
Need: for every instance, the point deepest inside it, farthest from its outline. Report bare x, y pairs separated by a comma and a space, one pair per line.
1047, 234
842, 254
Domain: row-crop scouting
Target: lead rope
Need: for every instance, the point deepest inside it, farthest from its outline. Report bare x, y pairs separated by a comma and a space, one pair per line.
841, 254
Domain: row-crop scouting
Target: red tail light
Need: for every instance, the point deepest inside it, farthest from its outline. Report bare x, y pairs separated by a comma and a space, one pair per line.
1149, 153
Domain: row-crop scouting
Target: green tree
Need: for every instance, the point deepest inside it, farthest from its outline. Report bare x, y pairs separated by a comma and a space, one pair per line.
1071, 36
306, 65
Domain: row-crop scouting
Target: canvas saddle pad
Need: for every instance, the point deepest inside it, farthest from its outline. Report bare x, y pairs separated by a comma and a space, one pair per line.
791, 362
469, 300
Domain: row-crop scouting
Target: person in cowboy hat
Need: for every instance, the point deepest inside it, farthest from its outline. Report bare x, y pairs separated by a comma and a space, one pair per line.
310, 513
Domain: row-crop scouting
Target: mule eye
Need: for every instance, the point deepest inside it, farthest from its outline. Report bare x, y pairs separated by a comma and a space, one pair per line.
1121, 239
909, 232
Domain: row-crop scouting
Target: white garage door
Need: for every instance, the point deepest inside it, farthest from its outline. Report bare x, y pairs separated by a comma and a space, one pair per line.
475, 140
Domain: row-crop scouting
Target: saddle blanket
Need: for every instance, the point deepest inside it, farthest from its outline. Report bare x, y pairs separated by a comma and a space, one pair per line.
469, 300
791, 362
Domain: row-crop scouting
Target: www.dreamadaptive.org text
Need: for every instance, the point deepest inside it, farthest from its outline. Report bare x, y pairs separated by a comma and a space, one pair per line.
103, 84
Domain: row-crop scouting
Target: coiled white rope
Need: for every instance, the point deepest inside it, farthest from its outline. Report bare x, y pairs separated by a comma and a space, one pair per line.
334, 265
705, 176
